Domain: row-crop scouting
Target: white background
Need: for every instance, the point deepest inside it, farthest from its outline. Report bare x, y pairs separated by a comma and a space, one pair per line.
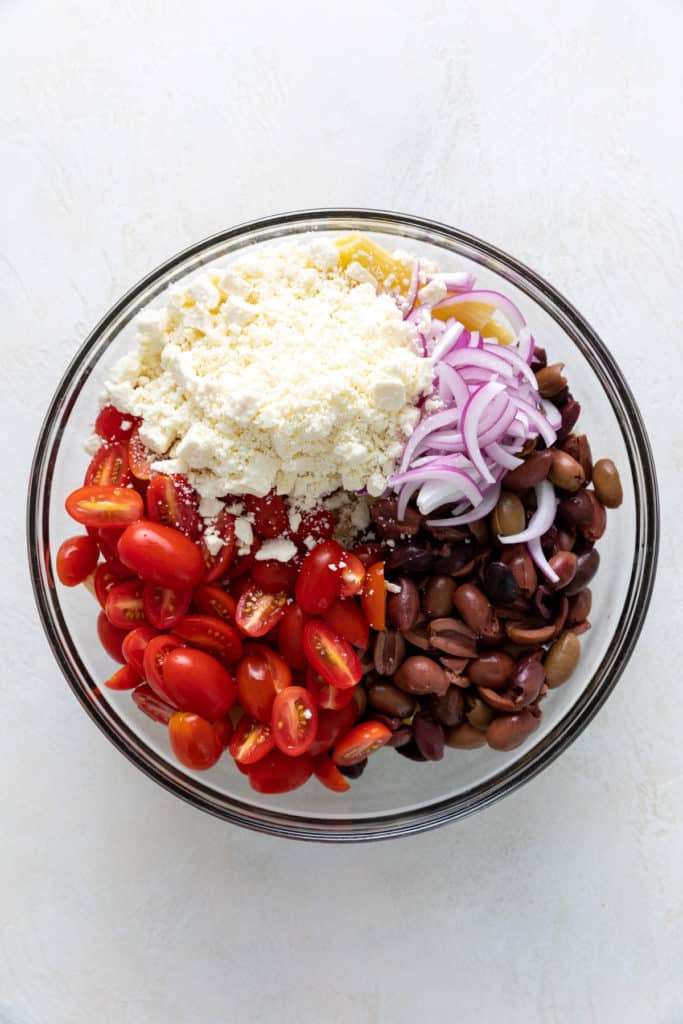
130, 128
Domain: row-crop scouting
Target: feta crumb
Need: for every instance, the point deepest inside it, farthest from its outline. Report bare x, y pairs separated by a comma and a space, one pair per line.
213, 542
280, 550
244, 534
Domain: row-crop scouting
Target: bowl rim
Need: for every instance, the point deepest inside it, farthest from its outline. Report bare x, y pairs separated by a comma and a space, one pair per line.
597, 689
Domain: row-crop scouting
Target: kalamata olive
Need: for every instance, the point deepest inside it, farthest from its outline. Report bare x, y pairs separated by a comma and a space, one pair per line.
527, 679
418, 635
565, 472
576, 510
561, 397
415, 558
562, 659
453, 559
570, 412
361, 701
564, 564
475, 608
400, 737
499, 583
384, 516
429, 736
527, 636
411, 750
508, 517
389, 651
550, 380
437, 598
480, 531
579, 607
490, 669
564, 539
578, 447
535, 469
403, 608
449, 708
392, 723
544, 602
465, 737
419, 674
353, 771
607, 483
448, 533
581, 627
479, 714
539, 359
510, 731
596, 525
389, 700
587, 564
453, 637
522, 567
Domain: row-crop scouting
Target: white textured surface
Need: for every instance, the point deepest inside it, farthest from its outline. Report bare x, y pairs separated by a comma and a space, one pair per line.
129, 129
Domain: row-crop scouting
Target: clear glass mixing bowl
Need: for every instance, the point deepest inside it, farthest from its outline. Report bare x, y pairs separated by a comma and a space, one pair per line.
395, 796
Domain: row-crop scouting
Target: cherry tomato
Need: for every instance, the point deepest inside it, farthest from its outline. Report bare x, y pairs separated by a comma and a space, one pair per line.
197, 682
319, 579
224, 730
165, 606
216, 566
124, 606
152, 705
270, 515
251, 741
294, 720
332, 725
109, 467
363, 740
161, 554
213, 600
346, 617
108, 539
242, 564
153, 657
125, 678
373, 597
194, 741
258, 612
274, 577
107, 575
291, 637
112, 425
368, 554
277, 773
327, 772
111, 638
212, 635
76, 560
332, 657
140, 458
352, 575
171, 500
133, 647
104, 506
329, 697
318, 525
261, 675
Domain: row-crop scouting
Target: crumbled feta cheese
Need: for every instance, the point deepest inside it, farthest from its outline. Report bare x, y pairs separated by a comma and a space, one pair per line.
213, 542
280, 550
433, 292
244, 534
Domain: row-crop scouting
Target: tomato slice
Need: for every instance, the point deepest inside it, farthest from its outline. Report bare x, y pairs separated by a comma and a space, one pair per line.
76, 560
212, 635
294, 720
134, 645
161, 554
251, 741
140, 458
364, 739
347, 619
152, 705
332, 725
216, 565
223, 727
165, 606
109, 467
327, 772
194, 741
104, 506
111, 638
257, 612
153, 658
213, 600
113, 425
373, 597
277, 773
125, 678
326, 696
351, 576
291, 637
269, 514
320, 578
317, 524
261, 675
108, 539
172, 501
124, 606
332, 657
197, 682
107, 575
274, 577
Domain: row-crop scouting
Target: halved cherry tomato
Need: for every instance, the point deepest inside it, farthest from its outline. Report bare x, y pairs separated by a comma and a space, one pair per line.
270, 515
107, 575
239, 587
224, 730
153, 658
107, 538
172, 501
133, 647
277, 773
76, 560
212, 635
320, 578
251, 741
260, 676
294, 720
140, 458
257, 612
346, 617
112, 425
216, 566
332, 725
373, 597
363, 740
165, 606
111, 638
332, 657
125, 678
161, 554
273, 576
152, 705
327, 772
197, 682
319, 525
326, 696
291, 637
352, 575
368, 554
194, 741
213, 600
104, 506
109, 467
124, 606
242, 564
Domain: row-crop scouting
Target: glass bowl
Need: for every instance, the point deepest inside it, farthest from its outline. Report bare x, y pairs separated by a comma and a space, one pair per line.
395, 796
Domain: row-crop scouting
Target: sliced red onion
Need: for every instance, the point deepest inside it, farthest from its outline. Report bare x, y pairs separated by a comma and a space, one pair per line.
447, 341
433, 422
502, 456
487, 505
454, 282
525, 344
469, 425
411, 294
536, 551
456, 386
436, 492
464, 358
552, 413
542, 519
536, 419
474, 340
404, 496
510, 355
500, 302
